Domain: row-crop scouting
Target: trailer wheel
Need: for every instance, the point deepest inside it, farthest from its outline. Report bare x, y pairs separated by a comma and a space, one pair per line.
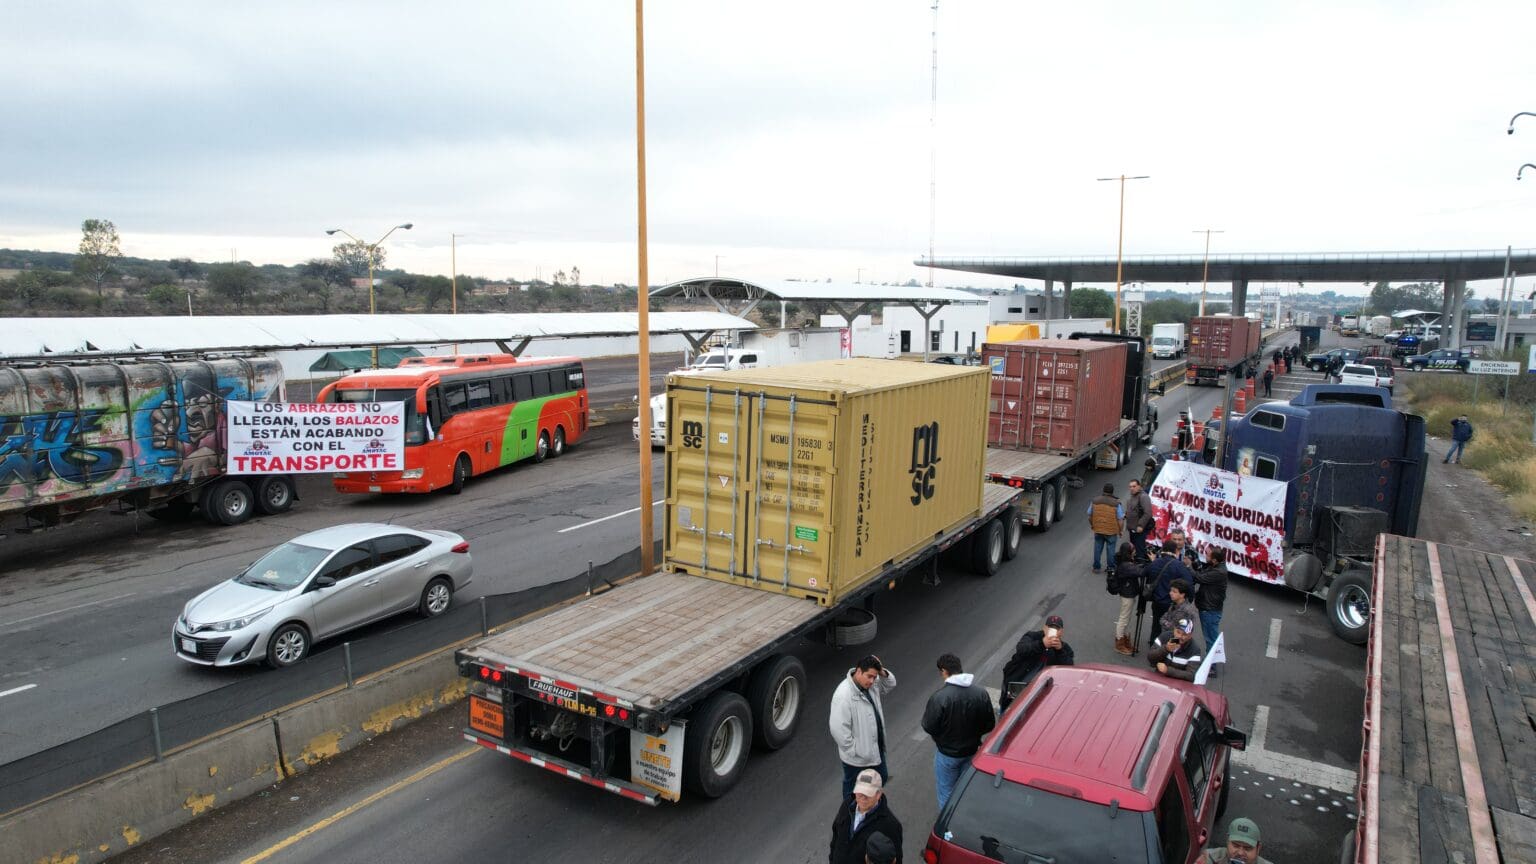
716, 744
1047, 513
1013, 533
987, 548
227, 502
775, 693
274, 495
1061, 498
1349, 605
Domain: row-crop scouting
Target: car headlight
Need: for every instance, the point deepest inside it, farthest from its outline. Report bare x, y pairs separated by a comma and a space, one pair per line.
238, 623
411, 474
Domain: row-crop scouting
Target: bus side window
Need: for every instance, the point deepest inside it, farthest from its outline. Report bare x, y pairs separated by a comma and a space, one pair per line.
454, 399
435, 409
501, 390
522, 386
575, 378
479, 394
540, 384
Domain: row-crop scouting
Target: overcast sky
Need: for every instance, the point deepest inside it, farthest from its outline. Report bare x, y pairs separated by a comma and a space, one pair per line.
791, 139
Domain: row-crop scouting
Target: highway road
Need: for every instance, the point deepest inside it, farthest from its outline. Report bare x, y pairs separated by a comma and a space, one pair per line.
423, 794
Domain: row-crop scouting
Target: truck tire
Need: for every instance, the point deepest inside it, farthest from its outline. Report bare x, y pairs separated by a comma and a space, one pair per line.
227, 502
987, 548
854, 627
775, 693
1349, 605
1061, 498
715, 746
1047, 513
274, 495
1013, 533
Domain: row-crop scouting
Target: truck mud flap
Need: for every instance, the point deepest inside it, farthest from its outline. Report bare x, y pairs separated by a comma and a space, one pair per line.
569, 769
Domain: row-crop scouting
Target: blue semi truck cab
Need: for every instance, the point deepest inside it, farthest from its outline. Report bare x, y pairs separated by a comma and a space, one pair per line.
1355, 467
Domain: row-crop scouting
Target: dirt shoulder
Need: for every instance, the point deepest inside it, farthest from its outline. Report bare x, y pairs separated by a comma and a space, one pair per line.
1462, 508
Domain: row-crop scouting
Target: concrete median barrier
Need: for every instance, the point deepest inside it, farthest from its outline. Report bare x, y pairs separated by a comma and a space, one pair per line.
109, 816
311, 733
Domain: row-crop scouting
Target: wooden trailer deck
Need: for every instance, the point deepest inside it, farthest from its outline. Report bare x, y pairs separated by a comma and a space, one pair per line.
1448, 770
1003, 465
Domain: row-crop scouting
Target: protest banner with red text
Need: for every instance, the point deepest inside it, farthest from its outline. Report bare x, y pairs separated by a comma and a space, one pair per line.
1242, 514
304, 438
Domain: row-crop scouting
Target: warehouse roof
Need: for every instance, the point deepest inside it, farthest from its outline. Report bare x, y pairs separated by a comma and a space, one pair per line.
824, 292
38, 338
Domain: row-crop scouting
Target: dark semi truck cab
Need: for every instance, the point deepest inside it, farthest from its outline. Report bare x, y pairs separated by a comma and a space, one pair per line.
1355, 469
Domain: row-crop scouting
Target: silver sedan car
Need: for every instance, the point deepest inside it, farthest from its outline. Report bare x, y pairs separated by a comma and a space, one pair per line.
318, 585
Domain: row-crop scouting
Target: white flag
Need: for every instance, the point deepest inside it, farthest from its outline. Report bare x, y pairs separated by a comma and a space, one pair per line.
1217, 654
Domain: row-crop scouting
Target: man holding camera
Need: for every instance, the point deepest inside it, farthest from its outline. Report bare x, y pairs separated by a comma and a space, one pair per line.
1035, 650
1176, 653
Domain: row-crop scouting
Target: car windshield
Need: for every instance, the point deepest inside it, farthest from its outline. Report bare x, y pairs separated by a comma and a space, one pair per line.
1019, 824
1360, 370
284, 567
415, 424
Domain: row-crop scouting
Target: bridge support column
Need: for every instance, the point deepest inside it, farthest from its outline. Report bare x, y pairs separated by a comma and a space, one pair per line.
1446, 297
1450, 334
1066, 298
1239, 297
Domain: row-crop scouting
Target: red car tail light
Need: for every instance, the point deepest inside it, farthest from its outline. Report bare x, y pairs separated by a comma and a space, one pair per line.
461, 547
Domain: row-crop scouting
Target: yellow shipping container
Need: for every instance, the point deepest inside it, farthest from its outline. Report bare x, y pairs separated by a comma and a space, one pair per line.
811, 479
1012, 332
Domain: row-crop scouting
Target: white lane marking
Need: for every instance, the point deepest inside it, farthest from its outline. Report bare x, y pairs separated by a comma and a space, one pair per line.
1272, 650
1305, 771
604, 519
23, 688
67, 609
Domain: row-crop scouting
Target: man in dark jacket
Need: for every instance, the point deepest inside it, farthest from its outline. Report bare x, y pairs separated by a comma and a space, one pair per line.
1034, 651
957, 716
1161, 572
862, 815
1175, 652
1138, 517
1128, 573
1212, 594
1269, 381
1461, 433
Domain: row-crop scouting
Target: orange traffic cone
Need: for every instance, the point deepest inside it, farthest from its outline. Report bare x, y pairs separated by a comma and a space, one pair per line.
1216, 412
1253, 388
1240, 402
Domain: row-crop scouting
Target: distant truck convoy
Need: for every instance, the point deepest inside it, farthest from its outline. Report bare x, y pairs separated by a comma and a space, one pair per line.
1168, 340
755, 349
795, 495
141, 434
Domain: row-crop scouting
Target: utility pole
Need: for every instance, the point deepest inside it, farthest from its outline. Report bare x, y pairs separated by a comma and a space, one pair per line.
647, 529
1120, 243
1206, 275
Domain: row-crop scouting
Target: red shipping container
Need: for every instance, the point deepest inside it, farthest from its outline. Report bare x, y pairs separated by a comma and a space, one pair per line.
1054, 395
1219, 339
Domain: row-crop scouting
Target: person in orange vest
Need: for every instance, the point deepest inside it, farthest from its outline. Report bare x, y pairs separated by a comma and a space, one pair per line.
1106, 516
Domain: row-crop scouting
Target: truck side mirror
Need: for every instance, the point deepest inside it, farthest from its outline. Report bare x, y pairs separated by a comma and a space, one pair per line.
1235, 738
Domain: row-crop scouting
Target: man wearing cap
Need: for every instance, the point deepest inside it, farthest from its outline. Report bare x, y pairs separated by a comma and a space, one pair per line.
1034, 651
1176, 652
863, 814
957, 716
857, 720
1242, 845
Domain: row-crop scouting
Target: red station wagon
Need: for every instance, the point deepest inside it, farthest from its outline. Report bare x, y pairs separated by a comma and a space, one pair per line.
1091, 765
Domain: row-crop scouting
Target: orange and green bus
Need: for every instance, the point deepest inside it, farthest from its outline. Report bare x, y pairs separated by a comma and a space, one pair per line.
468, 414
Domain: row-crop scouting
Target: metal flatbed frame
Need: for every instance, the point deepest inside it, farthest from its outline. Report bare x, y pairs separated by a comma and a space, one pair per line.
1026, 469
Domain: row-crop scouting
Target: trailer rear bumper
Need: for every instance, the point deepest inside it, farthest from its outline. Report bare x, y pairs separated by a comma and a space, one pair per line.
569, 770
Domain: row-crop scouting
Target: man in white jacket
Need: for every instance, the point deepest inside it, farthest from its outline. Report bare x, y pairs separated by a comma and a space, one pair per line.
857, 721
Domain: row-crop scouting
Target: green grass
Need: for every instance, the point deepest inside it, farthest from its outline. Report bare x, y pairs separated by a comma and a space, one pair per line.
1501, 450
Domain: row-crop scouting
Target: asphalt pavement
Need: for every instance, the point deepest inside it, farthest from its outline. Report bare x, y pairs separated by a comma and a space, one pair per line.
424, 795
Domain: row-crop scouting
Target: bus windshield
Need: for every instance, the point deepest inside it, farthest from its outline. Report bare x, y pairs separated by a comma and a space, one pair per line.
415, 424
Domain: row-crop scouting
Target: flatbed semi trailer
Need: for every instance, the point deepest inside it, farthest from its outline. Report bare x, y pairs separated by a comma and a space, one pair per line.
669, 680
1448, 756
1042, 477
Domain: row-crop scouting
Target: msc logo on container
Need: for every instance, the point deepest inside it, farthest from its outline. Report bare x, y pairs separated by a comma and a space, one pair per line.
925, 459
693, 434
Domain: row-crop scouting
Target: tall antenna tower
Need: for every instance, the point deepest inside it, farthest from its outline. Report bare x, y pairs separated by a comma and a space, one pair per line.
933, 144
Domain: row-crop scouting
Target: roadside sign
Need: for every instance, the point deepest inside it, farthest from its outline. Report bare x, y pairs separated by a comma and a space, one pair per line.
1494, 367
1530, 365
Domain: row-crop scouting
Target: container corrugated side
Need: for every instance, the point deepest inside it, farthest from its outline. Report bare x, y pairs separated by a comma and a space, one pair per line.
1220, 339
1054, 395
812, 479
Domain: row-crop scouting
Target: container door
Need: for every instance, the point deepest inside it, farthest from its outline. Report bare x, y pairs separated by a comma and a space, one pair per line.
1008, 415
790, 539
707, 443
1054, 401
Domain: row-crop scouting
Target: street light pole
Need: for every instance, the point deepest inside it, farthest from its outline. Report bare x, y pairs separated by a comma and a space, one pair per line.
1120, 243
1206, 275
643, 318
369, 249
